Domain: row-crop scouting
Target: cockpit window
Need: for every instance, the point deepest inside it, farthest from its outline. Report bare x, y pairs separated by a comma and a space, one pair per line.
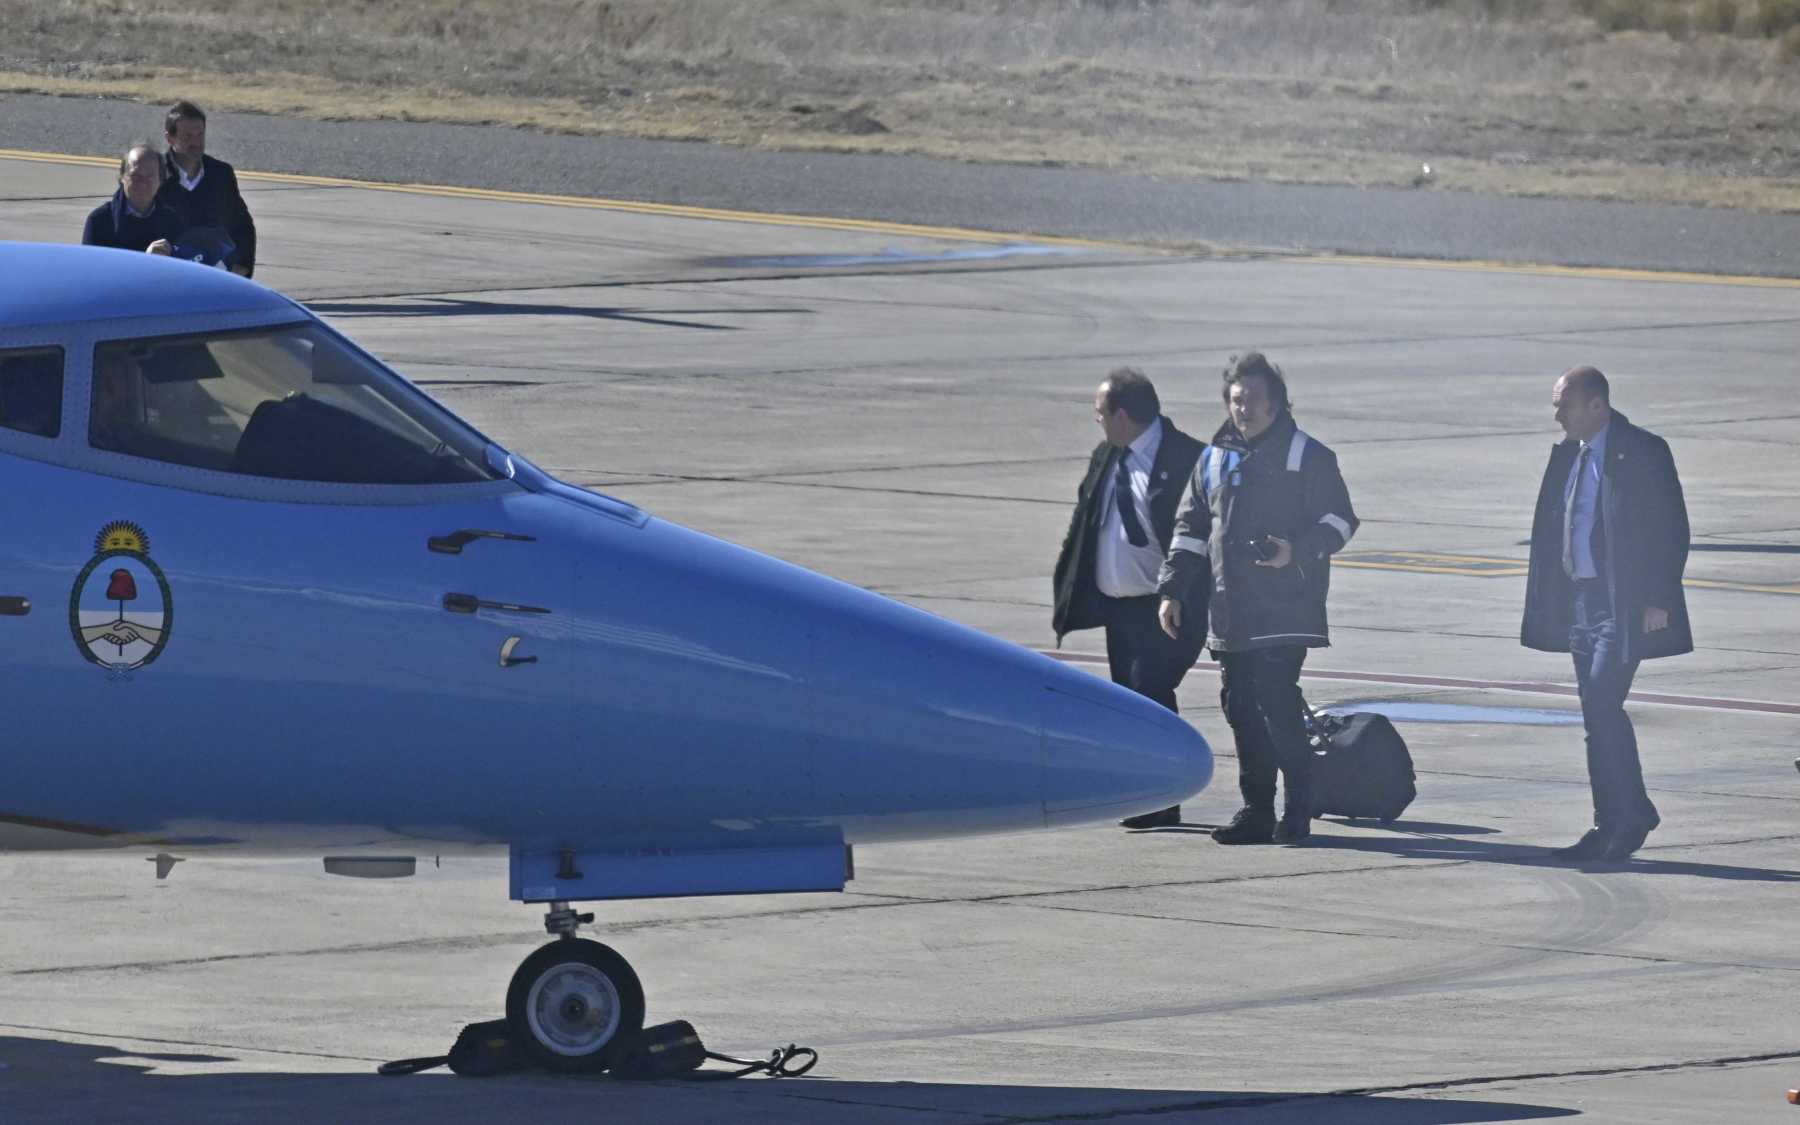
31, 383
293, 402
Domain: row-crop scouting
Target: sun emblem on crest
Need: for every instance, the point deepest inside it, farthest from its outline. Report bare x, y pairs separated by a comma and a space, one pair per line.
122, 535
120, 611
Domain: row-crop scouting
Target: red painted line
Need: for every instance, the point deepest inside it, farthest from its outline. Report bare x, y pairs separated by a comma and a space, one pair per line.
1529, 687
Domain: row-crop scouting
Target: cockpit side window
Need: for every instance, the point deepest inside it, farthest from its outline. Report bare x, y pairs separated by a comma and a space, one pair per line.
293, 402
31, 386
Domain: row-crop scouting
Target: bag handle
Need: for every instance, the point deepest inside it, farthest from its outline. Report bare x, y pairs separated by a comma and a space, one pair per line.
1315, 723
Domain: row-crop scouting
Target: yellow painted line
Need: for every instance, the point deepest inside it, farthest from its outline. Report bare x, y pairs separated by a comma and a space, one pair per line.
1426, 562
59, 158
1602, 273
1420, 568
1423, 556
665, 210
955, 234
1746, 587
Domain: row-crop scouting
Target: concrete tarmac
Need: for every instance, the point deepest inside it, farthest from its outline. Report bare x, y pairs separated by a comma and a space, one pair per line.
917, 424
1076, 202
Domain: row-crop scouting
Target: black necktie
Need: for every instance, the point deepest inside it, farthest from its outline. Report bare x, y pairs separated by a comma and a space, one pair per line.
1581, 461
1127, 504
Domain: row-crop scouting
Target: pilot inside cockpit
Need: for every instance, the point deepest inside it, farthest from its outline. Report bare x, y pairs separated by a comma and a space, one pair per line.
288, 402
115, 419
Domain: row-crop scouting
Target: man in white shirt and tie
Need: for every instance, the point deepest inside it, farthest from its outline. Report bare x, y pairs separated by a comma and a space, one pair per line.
1123, 522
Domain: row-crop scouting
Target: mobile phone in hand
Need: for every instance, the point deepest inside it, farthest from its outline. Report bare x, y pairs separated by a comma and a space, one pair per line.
1265, 548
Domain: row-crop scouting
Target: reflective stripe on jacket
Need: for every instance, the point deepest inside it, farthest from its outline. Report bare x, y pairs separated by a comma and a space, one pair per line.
1285, 485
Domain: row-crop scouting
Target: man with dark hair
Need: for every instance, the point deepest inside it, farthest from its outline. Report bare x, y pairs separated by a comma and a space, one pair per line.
1266, 509
1123, 521
133, 219
1609, 541
204, 192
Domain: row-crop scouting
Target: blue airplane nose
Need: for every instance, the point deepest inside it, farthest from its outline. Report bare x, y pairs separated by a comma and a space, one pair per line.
1109, 752
791, 706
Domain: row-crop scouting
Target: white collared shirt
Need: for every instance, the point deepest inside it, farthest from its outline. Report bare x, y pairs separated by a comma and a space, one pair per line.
1121, 570
189, 182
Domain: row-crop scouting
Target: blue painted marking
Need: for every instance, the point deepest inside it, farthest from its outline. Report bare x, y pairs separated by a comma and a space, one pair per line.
1408, 711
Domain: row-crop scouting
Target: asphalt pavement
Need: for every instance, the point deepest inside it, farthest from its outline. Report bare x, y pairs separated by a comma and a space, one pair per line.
1393, 222
917, 423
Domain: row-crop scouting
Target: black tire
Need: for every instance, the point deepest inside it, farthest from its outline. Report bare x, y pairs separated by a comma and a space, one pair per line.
571, 1002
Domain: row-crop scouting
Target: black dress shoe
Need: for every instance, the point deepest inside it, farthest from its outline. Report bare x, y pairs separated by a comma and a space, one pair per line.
1620, 844
1592, 845
1249, 826
1162, 818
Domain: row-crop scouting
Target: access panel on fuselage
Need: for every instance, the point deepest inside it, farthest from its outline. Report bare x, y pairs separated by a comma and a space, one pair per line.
197, 665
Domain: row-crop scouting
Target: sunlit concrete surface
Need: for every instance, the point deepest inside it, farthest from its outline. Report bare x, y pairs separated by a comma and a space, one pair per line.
920, 429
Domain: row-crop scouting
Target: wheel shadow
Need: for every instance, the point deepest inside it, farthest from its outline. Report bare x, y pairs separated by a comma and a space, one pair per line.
53, 1082
1523, 855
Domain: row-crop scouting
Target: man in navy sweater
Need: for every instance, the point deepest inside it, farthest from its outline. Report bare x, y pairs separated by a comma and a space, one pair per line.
133, 219
204, 191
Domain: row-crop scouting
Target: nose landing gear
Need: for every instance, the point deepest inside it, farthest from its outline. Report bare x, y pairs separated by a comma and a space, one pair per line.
572, 1000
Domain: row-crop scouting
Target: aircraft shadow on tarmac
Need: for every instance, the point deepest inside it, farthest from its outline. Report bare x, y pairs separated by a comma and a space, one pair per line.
459, 306
48, 1082
1484, 851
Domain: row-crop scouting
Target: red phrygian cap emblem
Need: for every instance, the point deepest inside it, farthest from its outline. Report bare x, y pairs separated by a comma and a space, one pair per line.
122, 588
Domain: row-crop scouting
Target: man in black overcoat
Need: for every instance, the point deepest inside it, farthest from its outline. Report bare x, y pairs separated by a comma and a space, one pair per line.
204, 192
1124, 519
1609, 541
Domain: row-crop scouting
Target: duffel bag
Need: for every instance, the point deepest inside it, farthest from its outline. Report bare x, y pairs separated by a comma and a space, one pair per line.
1360, 766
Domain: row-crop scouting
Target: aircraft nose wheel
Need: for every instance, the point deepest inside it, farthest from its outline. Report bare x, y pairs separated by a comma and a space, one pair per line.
571, 1001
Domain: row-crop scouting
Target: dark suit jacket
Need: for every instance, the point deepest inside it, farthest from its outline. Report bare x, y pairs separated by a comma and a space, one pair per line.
217, 202
1077, 598
1644, 520
113, 224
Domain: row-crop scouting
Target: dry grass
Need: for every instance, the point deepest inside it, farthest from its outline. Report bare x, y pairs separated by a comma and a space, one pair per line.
1523, 96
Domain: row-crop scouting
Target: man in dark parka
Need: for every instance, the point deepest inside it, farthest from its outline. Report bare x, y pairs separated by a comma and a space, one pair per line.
1266, 509
1609, 541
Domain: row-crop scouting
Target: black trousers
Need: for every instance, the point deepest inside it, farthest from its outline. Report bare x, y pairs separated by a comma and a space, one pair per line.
1614, 773
1260, 691
1142, 656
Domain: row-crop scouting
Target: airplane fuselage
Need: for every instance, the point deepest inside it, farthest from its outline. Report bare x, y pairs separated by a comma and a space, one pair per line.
219, 652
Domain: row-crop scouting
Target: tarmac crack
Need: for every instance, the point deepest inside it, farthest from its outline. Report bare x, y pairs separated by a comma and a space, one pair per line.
1520, 947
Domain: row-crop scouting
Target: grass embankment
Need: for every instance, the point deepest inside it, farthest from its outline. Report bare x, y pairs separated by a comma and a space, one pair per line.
1679, 100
